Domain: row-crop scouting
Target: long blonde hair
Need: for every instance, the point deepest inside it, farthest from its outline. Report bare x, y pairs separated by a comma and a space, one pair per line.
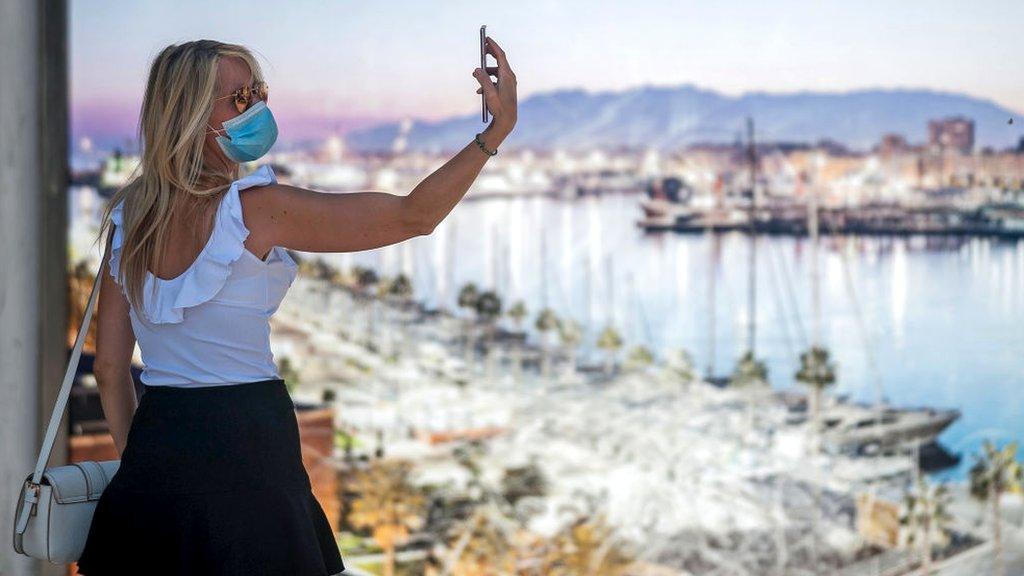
171, 176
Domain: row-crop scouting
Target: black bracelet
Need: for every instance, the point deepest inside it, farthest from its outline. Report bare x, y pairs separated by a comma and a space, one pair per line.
482, 147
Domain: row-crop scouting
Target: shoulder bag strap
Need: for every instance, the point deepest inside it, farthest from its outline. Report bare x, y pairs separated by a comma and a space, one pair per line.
65, 388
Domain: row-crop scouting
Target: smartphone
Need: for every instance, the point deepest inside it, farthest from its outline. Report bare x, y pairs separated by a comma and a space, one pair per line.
483, 66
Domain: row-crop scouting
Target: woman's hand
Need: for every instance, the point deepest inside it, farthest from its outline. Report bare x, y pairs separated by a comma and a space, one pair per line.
501, 95
311, 221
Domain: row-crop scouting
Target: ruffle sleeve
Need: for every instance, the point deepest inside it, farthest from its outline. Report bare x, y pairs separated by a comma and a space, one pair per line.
166, 300
117, 217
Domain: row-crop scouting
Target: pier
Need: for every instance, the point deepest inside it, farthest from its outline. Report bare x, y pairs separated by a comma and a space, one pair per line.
864, 221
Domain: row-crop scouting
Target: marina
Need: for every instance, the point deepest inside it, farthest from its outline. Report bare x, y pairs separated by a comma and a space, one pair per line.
889, 325
691, 474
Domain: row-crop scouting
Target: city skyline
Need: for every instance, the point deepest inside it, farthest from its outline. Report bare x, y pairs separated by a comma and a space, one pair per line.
335, 67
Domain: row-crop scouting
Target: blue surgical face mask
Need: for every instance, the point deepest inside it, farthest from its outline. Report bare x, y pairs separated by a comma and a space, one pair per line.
250, 134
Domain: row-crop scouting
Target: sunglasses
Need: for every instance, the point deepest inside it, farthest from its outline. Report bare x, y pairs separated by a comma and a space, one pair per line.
244, 95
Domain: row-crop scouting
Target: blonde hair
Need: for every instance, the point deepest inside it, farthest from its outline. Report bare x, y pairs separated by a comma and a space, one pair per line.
172, 176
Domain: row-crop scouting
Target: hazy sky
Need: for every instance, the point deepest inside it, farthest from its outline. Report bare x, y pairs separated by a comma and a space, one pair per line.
343, 63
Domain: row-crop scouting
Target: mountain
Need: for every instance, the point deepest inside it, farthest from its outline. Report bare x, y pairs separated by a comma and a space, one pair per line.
668, 117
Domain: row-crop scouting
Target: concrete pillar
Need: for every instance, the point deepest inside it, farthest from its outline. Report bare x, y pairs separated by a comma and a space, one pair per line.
33, 247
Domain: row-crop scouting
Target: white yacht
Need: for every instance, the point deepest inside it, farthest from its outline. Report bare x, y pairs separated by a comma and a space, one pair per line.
853, 428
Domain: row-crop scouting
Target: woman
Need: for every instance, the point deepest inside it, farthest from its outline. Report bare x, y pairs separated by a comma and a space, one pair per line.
211, 479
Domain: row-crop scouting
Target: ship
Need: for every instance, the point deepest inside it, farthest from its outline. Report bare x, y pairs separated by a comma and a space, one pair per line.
667, 201
853, 428
859, 429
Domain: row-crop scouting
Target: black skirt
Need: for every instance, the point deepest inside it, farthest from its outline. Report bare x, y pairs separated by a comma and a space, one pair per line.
211, 482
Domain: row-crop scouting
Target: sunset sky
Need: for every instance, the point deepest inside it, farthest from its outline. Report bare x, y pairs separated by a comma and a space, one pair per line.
338, 65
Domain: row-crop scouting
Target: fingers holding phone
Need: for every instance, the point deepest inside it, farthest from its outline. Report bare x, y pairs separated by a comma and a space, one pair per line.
483, 65
499, 97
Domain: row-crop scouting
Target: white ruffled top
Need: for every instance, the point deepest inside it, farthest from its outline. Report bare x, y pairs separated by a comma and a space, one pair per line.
210, 325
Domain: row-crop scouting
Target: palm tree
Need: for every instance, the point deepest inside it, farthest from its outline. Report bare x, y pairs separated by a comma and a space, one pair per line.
518, 313
926, 519
339, 278
388, 505
328, 395
288, 373
401, 291
307, 268
679, 363
571, 334
366, 279
609, 341
467, 300
383, 288
380, 294
749, 371
750, 375
321, 269
488, 309
640, 357
522, 481
468, 456
546, 322
996, 471
817, 372
318, 269
348, 279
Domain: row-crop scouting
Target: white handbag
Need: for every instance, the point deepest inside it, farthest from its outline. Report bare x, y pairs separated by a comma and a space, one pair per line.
55, 508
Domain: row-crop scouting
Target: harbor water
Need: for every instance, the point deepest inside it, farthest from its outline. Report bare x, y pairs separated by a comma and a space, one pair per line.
914, 321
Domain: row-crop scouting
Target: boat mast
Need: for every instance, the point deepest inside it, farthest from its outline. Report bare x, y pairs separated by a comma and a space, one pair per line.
815, 343
812, 206
544, 267
752, 275
495, 260
712, 249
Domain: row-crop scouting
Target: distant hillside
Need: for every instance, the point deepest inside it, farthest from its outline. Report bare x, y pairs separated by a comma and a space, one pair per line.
670, 117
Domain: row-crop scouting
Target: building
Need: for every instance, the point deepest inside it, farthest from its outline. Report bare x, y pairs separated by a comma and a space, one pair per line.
893, 145
952, 133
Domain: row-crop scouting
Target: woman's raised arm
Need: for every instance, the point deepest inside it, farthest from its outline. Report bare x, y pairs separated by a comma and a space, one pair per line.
312, 221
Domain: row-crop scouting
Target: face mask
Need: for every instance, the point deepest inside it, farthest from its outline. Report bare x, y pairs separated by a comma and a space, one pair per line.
250, 134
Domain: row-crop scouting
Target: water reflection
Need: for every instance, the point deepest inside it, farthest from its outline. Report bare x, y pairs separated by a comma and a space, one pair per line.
917, 321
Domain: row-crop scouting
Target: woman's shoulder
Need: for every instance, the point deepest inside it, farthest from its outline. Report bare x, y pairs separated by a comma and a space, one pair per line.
261, 176
258, 185
231, 228
256, 214
212, 267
